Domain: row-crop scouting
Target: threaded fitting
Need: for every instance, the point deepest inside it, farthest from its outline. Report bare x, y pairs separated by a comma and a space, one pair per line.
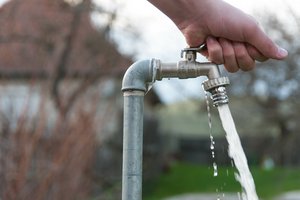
219, 96
217, 89
212, 83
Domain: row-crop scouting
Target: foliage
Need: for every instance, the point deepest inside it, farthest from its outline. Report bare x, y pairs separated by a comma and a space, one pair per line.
56, 40
38, 162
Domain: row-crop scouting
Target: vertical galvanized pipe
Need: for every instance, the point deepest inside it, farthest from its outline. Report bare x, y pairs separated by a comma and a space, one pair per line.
133, 145
134, 86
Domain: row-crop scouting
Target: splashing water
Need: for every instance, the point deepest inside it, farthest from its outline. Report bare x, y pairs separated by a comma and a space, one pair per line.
236, 152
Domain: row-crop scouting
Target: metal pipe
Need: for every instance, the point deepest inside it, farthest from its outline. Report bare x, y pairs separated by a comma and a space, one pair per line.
133, 145
135, 84
139, 76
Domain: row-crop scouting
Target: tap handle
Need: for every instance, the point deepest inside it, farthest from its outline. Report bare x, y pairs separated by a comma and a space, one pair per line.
190, 53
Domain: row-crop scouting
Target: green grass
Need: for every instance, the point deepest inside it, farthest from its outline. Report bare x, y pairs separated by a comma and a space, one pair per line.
190, 178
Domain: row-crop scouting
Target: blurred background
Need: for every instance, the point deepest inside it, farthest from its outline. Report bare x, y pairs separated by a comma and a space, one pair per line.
61, 67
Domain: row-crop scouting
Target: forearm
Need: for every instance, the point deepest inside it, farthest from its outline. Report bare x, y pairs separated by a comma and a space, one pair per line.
172, 8
180, 10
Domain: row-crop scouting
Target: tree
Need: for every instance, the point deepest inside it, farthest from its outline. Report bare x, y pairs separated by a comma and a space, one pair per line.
56, 38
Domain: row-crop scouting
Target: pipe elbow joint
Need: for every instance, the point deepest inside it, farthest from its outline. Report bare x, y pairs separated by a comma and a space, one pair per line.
139, 76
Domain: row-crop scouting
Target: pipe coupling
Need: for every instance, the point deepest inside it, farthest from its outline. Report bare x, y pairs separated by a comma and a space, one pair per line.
217, 89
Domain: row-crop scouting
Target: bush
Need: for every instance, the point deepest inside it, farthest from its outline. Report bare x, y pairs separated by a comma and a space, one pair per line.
38, 162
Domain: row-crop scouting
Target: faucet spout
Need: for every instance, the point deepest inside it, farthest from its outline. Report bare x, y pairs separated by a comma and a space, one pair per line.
191, 69
186, 69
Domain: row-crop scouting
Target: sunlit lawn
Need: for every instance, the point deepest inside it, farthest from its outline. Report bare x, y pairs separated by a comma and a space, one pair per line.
191, 178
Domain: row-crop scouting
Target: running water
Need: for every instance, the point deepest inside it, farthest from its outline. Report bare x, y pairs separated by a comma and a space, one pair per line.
236, 152
212, 142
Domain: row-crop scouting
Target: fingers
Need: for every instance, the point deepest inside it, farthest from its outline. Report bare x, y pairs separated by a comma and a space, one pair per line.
234, 55
244, 60
255, 54
214, 49
230, 63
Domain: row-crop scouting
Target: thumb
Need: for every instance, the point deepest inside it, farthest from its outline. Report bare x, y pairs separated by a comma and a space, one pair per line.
281, 53
271, 50
264, 44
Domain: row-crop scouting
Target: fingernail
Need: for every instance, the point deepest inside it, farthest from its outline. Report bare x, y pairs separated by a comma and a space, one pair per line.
282, 53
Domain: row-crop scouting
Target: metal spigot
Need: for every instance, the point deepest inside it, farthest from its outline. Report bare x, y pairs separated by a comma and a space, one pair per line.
215, 84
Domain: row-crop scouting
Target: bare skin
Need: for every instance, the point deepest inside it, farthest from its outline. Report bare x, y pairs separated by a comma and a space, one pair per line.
232, 37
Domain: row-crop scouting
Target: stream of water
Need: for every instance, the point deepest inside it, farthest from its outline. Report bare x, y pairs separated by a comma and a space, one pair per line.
212, 141
236, 152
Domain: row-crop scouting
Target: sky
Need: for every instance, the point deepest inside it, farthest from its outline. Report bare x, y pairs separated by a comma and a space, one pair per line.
2, 1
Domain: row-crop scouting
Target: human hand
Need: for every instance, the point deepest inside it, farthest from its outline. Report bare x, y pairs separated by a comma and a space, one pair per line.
233, 38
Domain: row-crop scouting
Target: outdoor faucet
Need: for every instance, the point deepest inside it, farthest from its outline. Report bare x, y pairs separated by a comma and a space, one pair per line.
136, 83
190, 68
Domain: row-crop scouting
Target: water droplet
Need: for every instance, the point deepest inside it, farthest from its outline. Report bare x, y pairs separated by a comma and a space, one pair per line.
215, 173
215, 169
